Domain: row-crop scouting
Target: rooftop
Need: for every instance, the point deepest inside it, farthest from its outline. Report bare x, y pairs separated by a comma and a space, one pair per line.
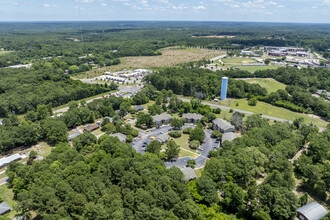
162, 138
4, 207
313, 211
189, 173
162, 117
230, 136
120, 136
192, 116
6, 160
222, 123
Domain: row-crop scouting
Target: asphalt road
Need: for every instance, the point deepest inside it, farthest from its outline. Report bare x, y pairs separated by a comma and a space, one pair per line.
246, 112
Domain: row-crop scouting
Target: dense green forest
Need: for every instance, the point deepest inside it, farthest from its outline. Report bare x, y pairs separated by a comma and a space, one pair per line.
34, 41
207, 84
22, 90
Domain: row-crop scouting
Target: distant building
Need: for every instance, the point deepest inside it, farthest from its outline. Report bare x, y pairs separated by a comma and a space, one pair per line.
162, 119
222, 125
229, 136
319, 92
247, 52
189, 173
138, 108
162, 138
120, 136
311, 211
91, 127
7, 160
192, 117
4, 208
224, 86
74, 135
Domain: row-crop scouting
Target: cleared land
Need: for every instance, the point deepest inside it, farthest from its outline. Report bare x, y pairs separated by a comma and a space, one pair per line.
267, 109
170, 57
7, 195
237, 62
270, 84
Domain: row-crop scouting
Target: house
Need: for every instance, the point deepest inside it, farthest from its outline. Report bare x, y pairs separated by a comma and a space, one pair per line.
4, 208
120, 136
189, 173
311, 211
7, 160
74, 135
107, 117
91, 127
163, 138
162, 119
138, 108
192, 117
229, 136
222, 125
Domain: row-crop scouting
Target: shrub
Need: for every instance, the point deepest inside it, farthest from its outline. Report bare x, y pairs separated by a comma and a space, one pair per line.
129, 138
187, 130
231, 110
191, 163
194, 144
135, 133
175, 134
253, 101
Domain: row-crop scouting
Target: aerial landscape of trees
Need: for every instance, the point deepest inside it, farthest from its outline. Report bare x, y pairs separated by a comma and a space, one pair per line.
267, 172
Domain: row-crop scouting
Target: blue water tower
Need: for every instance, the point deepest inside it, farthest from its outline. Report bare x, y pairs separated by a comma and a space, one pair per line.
224, 86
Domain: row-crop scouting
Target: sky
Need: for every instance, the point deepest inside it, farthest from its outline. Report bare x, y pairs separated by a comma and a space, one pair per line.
300, 11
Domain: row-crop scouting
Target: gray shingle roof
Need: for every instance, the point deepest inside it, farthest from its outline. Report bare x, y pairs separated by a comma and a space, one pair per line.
192, 116
74, 135
162, 138
138, 108
162, 117
222, 124
189, 173
313, 211
229, 136
4, 207
120, 136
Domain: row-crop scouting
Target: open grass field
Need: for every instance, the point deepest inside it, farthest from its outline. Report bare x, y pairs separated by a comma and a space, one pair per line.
199, 172
238, 60
267, 109
7, 195
252, 69
270, 84
170, 57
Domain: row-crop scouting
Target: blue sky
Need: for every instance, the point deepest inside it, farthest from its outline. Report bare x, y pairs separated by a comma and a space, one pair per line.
309, 11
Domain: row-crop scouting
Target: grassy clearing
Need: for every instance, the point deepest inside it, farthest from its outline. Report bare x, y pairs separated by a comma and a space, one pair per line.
170, 57
252, 69
270, 84
267, 109
7, 195
186, 151
199, 172
238, 60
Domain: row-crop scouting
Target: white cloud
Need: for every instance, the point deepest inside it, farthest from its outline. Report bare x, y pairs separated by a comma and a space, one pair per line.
200, 7
49, 6
104, 4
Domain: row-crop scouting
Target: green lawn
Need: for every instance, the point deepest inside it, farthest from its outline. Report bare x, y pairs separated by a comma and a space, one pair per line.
199, 172
183, 142
267, 109
252, 69
7, 196
238, 60
270, 84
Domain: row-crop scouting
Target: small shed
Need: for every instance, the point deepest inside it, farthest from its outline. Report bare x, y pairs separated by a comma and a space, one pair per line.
91, 127
311, 211
4, 208
189, 173
138, 108
74, 135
